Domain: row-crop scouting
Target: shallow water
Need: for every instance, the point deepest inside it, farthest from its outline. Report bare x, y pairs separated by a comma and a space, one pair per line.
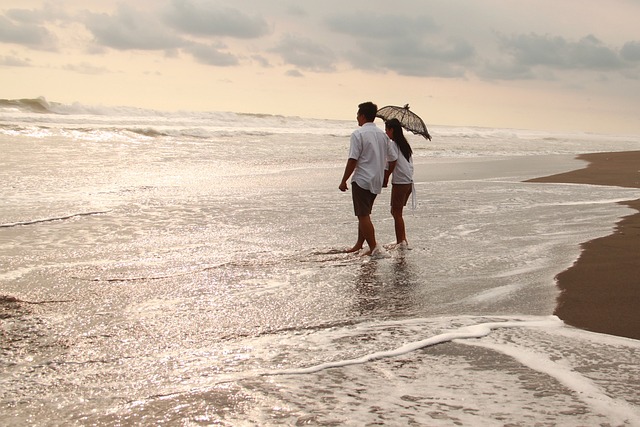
190, 274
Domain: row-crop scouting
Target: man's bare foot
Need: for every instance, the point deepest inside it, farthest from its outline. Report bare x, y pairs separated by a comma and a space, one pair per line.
353, 249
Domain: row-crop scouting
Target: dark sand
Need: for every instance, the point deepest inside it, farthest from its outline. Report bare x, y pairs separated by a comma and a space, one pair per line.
601, 291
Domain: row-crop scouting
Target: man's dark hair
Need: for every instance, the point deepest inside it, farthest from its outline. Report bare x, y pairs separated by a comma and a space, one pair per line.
368, 110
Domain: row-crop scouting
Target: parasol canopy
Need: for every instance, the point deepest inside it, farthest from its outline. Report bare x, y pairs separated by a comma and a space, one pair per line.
408, 119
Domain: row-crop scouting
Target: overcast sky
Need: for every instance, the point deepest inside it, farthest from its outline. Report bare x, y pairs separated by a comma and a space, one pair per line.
543, 64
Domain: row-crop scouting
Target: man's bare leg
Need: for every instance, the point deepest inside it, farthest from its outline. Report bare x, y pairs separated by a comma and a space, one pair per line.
359, 243
357, 246
365, 227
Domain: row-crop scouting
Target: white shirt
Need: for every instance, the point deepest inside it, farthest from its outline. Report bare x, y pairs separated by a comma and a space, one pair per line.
403, 172
369, 147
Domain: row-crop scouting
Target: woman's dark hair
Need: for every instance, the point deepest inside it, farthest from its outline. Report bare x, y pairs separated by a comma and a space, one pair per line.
398, 137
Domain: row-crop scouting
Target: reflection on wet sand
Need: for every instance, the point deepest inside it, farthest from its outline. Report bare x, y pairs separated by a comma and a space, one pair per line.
387, 289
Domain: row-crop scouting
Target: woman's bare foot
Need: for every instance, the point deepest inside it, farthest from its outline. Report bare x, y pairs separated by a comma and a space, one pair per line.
373, 252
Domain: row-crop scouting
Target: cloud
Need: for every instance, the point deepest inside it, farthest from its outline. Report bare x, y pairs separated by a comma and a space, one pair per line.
13, 61
19, 30
406, 45
425, 58
305, 53
212, 55
203, 18
414, 57
296, 10
49, 12
26, 16
631, 51
132, 29
294, 73
371, 25
532, 50
262, 60
428, 41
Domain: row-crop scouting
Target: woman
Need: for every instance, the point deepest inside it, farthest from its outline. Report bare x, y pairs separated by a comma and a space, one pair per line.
402, 181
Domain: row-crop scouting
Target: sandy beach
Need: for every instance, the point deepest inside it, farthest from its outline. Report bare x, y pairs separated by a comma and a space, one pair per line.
601, 291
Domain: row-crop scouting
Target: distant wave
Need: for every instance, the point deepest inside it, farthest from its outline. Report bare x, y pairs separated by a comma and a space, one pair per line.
24, 115
58, 218
41, 105
127, 131
37, 105
148, 132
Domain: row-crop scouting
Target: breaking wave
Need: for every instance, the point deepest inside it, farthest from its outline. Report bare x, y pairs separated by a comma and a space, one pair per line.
37, 105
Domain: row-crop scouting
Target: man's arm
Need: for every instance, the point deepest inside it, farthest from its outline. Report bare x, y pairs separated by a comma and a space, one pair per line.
348, 170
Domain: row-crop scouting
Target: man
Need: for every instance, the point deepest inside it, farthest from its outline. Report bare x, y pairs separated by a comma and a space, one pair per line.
369, 152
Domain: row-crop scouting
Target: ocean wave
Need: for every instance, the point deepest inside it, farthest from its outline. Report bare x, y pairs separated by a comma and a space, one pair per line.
56, 218
157, 123
42, 106
150, 132
134, 131
463, 333
28, 117
36, 105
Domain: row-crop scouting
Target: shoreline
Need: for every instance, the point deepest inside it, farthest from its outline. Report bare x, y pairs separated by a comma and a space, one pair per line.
600, 292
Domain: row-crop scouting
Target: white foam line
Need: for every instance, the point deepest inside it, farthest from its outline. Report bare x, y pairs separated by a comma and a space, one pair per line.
468, 332
58, 218
619, 412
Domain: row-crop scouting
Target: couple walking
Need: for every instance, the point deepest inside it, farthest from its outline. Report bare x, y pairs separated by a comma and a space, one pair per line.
374, 156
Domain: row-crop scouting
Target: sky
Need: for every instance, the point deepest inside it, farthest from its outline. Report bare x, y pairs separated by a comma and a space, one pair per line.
557, 65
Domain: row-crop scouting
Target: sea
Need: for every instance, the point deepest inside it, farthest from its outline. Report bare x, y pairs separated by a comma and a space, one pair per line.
187, 269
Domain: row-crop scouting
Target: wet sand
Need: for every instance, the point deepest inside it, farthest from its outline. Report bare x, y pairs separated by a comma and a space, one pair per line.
601, 291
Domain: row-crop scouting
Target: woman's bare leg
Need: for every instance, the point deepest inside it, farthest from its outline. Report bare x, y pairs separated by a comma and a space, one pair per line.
401, 235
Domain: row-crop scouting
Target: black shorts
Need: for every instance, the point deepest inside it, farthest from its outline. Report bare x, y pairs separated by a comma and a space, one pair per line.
400, 195
362, 200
